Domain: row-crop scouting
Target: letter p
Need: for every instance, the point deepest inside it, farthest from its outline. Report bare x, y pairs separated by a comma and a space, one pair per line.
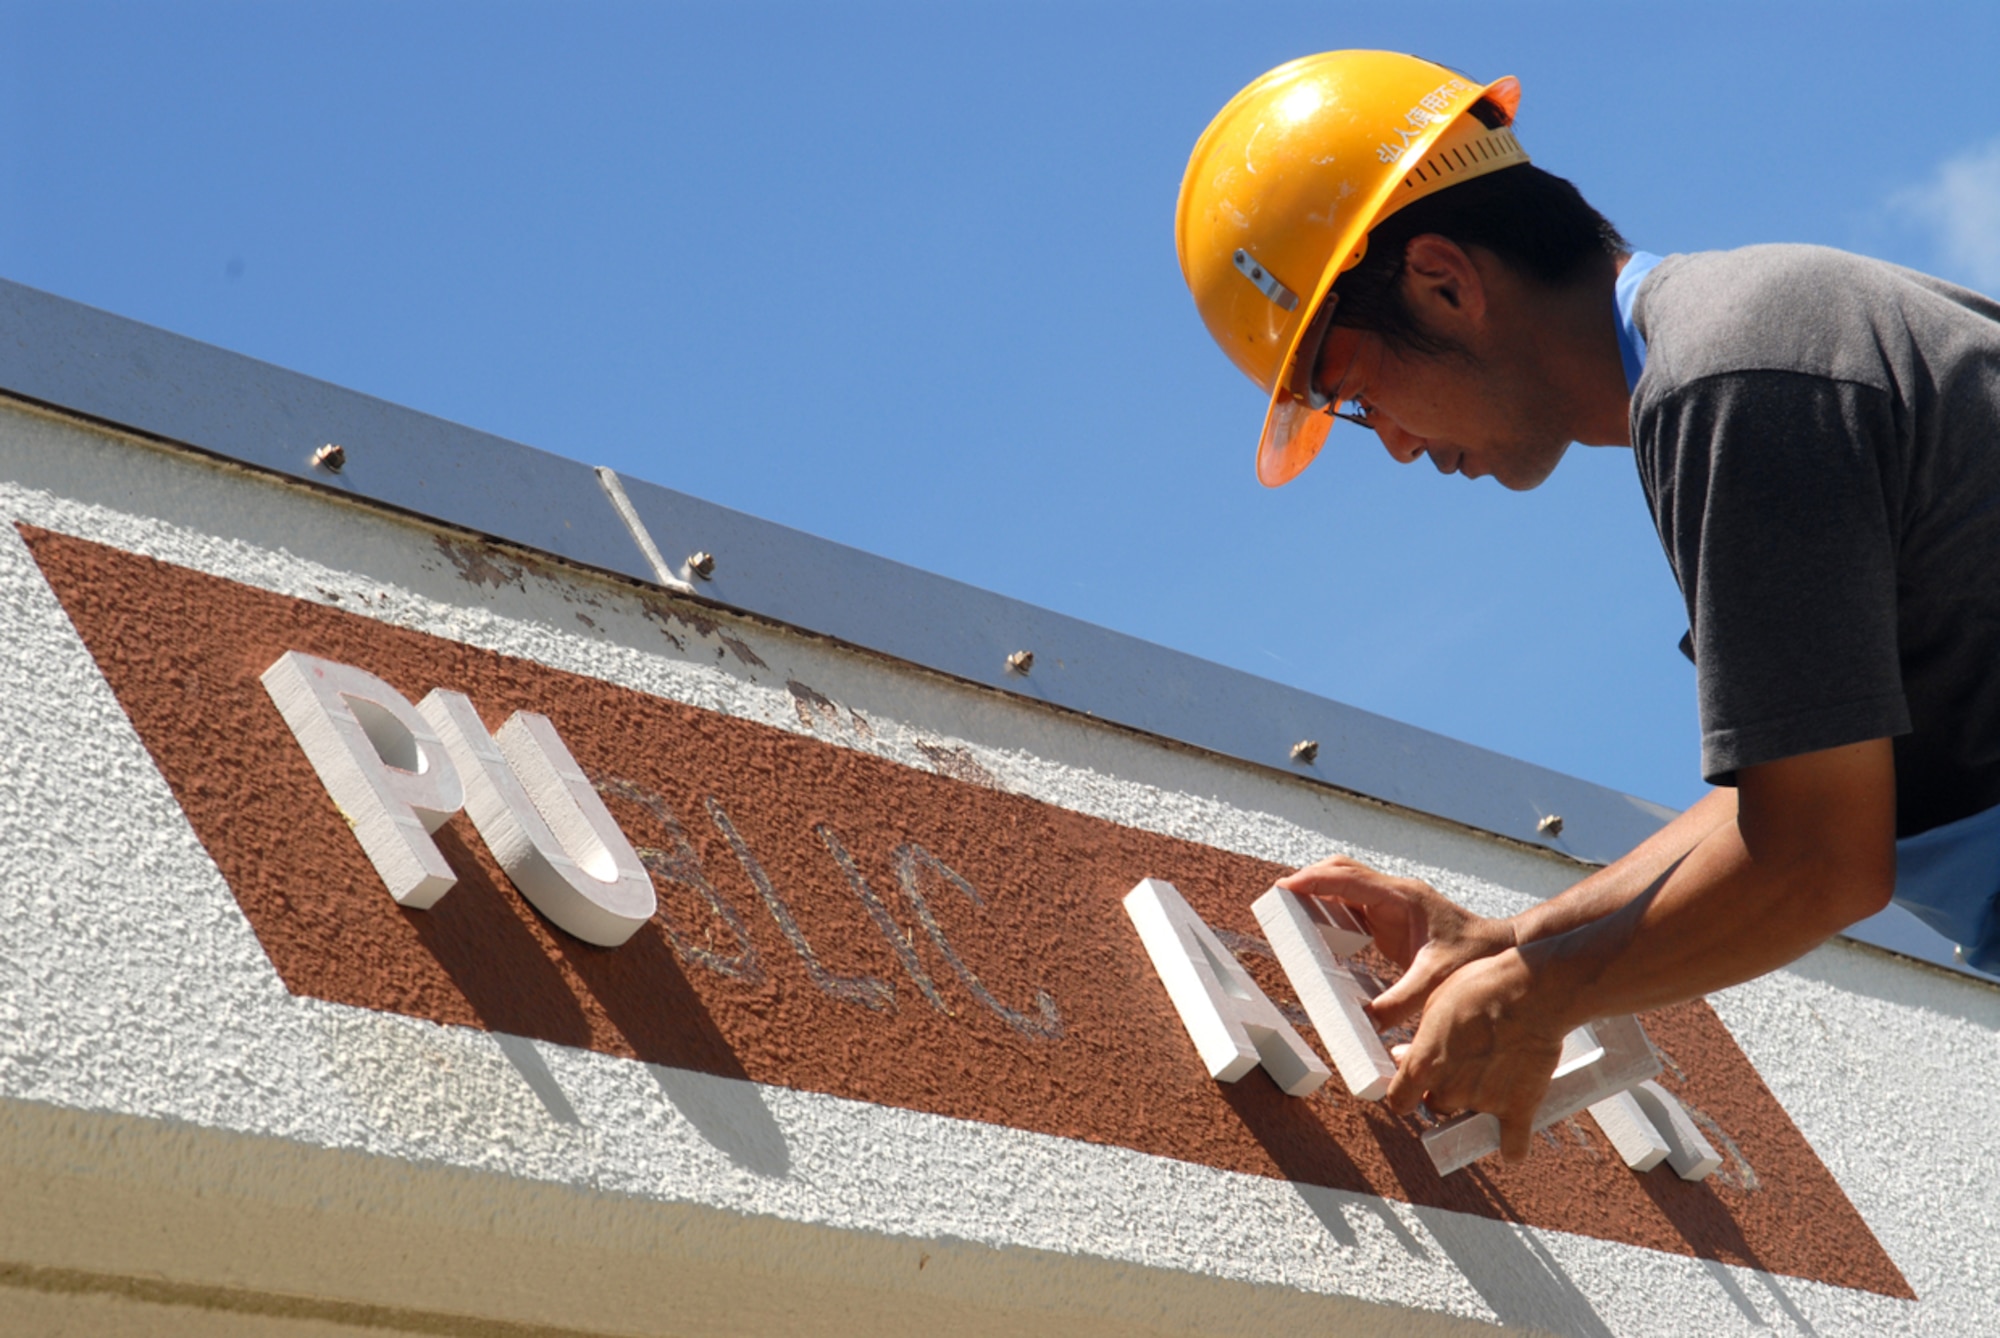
382, 763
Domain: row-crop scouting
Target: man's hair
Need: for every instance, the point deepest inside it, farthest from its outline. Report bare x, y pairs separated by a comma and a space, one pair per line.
1537, 223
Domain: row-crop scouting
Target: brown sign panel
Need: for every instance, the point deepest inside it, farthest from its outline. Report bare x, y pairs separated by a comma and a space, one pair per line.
835, 922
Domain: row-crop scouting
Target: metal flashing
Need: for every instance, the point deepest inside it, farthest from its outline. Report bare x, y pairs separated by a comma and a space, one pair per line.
74, 357
1900, 932
81, 360
792, 577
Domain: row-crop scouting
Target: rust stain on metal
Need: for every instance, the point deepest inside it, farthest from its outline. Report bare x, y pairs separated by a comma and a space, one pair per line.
835, 922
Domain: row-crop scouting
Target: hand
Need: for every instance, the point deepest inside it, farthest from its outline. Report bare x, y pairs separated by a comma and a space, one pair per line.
1485, 1043
1415, 926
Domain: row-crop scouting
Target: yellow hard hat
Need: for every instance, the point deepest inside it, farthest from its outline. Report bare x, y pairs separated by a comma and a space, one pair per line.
1279, 197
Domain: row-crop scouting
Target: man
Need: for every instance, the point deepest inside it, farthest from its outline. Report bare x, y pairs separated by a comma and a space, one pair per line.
1818, 436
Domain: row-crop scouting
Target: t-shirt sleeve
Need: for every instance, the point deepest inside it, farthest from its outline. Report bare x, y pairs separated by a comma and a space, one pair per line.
1774, 494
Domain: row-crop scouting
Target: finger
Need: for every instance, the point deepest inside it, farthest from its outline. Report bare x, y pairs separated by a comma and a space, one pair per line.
1329, 864
1404, 1094
1357, 885
1336, 871
1393, 919
1516, 1135
1413, 1073
1333, 862
1407, 996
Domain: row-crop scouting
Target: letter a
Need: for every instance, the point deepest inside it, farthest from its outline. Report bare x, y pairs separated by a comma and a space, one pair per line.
1233, 1024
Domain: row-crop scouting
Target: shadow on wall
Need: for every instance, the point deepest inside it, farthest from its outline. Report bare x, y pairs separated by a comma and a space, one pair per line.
1522, 1284
534, 1070
1309, 1157
1688, 1212
1521, 1281
731, 1115
479, 938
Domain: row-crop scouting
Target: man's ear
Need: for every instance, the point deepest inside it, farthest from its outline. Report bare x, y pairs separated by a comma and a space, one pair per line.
1443, 287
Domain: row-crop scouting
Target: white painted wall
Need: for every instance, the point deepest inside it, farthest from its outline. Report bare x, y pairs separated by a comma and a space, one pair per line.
135, 1003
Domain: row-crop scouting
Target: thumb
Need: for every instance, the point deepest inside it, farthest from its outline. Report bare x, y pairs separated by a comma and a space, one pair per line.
1412, 988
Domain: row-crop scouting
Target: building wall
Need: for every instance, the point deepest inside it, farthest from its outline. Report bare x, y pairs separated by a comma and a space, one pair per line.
190, 1136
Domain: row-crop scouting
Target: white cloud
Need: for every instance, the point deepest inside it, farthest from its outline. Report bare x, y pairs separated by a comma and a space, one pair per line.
1960, 204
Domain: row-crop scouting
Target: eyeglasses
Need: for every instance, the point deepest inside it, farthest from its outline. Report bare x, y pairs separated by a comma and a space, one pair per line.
1361, 415
1305, 372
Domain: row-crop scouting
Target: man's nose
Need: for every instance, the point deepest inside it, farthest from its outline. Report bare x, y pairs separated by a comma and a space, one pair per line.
1403, 447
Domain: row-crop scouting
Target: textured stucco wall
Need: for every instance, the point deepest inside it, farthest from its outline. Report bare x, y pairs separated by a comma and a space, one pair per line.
136, 1004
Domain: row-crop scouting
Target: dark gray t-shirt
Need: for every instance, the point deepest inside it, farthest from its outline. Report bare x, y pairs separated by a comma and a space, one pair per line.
1819, 437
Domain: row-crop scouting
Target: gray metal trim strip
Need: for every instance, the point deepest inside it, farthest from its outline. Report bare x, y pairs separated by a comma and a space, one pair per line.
794, 578
105, 367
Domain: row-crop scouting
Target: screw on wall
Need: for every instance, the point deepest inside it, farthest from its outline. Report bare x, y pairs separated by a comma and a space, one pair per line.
702, 564
331, 457
1551, 826
1305, 752
1021, 661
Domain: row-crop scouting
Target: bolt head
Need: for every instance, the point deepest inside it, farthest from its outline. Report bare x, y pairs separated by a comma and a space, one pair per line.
1551, 826
702, 564
1305, 751
331, 457
1021, 661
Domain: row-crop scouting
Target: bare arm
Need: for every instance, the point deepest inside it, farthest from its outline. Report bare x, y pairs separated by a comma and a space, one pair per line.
1809, 850
1616, 884
1430, 937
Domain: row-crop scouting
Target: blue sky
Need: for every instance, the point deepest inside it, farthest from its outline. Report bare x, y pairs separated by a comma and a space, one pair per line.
903, 276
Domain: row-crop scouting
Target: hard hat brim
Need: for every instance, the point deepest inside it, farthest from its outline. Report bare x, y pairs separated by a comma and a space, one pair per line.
1294, 432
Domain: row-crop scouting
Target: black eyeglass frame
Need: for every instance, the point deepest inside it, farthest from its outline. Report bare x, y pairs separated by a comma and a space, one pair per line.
1306, 366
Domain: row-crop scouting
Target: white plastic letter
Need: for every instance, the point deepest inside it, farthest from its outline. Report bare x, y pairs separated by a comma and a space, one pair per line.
1688, 1152
1233, 1024
543, 821
383, 766
1338, 929
1626, 1125
1598, 1061
1306, 936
